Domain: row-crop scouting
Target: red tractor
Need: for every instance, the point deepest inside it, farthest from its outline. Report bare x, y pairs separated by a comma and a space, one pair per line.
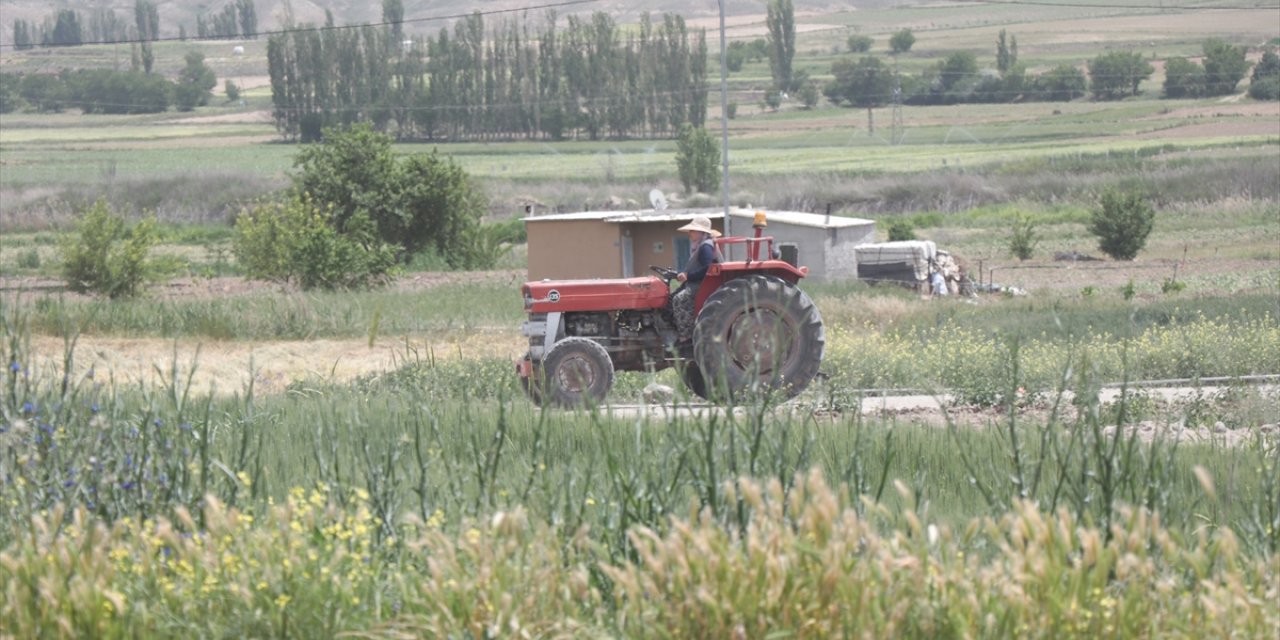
755, 330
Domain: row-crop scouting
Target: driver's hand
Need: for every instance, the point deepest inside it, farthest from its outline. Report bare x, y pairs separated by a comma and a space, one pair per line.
681, 277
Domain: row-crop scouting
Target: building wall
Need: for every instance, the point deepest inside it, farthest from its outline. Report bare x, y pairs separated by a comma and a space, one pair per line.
572, 249
842, 262
654, 243
828, 252
569, 249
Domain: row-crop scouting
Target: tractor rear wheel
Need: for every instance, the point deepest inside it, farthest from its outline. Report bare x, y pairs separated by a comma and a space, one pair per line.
758, 333
576, 372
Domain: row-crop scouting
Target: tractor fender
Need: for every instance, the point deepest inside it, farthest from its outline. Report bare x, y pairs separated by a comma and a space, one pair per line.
550, 329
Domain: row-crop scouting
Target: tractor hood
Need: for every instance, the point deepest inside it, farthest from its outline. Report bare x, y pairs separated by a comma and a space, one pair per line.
546, 296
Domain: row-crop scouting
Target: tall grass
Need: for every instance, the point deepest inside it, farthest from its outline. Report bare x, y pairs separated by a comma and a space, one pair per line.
436, 500
279, 313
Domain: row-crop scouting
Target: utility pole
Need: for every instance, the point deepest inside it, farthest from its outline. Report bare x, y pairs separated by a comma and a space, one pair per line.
896, 128
724, 125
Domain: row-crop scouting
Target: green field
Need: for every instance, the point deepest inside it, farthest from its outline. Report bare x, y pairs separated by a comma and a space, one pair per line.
423, 495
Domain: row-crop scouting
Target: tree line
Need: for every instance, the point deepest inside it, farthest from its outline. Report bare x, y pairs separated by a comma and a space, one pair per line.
585, 78
870, 82
68, 27
110, 91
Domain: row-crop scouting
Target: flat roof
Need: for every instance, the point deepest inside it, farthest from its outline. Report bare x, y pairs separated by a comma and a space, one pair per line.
797, 218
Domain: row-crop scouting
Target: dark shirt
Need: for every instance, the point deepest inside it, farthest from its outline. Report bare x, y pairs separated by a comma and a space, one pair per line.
706, 255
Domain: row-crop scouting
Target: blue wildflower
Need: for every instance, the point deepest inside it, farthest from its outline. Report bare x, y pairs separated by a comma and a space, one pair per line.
27, 407
15, 367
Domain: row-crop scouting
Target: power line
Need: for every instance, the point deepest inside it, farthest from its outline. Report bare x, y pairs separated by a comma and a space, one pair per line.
1160, 7
455, 16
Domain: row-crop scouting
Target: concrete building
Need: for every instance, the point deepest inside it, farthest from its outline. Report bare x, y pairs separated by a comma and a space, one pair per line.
619, 244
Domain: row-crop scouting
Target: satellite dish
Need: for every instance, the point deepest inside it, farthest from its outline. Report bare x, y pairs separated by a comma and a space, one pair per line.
658, 200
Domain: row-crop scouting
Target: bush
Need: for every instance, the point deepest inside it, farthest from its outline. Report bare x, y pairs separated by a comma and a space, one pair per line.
293, 241
698, 160
106, 257
416, 202
1264, 84
1122, 224
1022, 244
900, 230
902, 41
860, 44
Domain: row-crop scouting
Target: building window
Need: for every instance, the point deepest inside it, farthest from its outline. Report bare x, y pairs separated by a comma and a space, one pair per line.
790, 253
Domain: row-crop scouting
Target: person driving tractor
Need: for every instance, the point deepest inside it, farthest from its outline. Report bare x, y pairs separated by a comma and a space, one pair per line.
702, 254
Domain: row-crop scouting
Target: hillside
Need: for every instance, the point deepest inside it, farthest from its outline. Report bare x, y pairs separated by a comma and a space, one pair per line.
421, 16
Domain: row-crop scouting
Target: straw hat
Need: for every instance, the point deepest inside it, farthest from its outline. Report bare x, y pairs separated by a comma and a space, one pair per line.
700, 223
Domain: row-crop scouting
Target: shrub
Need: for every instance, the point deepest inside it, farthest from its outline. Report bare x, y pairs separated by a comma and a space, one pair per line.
293, 241
105, 256
698, 159
233, 92
860, 44
902, 41
1022, 244
1122, 224
901, 230
1264, 84
421, 201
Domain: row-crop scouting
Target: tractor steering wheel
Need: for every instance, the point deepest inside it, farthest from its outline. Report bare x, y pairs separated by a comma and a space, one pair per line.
665, 273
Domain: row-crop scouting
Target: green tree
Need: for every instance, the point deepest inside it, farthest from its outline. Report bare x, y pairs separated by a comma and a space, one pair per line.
1122, 224
867, 83
232, 91
195, 83
147, 18
23, 37
66, 30
10, 97
781, 21
1117, 74
293, 240
1264, 84
393, 14
1224, 67
43, 92
420, 201
809, 95
902, 41
248, 18
1060, 84
958, 72
107, 257
1183, 78
1006, 52
698, 160
860, 43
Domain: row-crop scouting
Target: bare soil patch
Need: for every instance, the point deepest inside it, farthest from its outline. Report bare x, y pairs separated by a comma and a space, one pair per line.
243, 117
228, 367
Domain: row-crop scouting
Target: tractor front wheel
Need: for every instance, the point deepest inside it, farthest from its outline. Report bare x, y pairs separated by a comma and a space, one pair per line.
758, 333
693, 380
576, 372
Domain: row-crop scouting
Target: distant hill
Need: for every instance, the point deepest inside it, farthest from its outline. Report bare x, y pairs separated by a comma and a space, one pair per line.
271, 13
